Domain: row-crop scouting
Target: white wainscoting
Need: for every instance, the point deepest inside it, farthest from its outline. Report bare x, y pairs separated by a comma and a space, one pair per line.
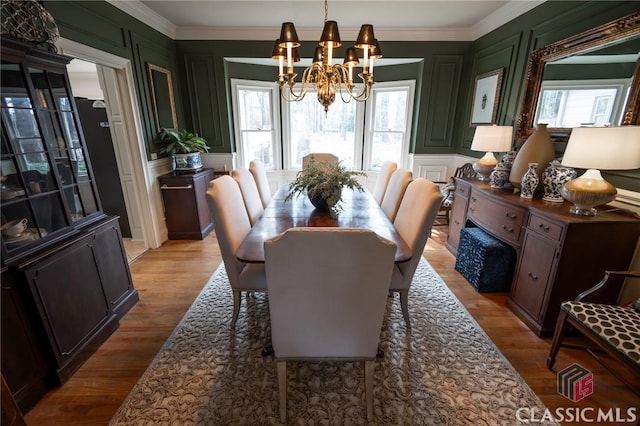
437, 167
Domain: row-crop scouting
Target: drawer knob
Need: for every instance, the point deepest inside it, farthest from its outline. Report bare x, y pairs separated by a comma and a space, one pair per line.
532, 276
474, 199
472, 210
511, 215
456, 222
506, 228
544, 227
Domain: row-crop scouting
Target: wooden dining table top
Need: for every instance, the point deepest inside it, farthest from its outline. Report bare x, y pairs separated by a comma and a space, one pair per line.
359, 210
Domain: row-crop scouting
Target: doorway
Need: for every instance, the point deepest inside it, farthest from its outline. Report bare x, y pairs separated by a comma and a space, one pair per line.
115, 78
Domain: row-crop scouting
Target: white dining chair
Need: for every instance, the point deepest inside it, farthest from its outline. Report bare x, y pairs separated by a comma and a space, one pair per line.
231, 226
319, 157
413, 222
260, 176
386, 170
250, 193
395, 191
327, 295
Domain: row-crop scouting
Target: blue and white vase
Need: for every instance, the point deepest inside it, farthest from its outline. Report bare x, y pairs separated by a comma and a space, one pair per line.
553, 178
530, 181
499, 176
507, 159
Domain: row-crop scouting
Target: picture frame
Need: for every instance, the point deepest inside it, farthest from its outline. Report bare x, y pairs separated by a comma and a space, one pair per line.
486, 95
161, 88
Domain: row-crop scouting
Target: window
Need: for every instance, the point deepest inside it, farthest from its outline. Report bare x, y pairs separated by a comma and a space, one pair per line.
582, 103
306, 128
256, 122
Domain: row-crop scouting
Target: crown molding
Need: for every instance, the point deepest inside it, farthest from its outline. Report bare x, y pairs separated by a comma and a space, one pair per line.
506, 13
313, 33
142, 13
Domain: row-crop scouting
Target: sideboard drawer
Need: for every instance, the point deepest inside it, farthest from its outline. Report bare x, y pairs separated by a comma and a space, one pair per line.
545, 227
506, 221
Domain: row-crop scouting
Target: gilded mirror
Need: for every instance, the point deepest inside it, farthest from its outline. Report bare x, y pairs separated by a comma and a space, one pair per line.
161, 86
605, 53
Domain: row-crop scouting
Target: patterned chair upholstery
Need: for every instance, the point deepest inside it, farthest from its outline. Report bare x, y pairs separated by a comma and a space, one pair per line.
613, 328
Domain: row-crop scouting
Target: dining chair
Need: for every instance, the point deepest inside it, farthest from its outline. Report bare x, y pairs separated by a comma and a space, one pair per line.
386, 170
448, 190
321, 157
231, 226
395, 190
327, 296
413, 222
250, 194
260, 176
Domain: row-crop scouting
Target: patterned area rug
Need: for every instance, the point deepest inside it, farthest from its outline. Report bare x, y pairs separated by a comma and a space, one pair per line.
444, 371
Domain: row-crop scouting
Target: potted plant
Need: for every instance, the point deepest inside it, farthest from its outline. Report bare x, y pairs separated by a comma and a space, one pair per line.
185, 148
323, 183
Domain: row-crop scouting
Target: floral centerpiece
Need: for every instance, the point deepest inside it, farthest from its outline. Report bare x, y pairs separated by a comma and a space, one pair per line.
323, 181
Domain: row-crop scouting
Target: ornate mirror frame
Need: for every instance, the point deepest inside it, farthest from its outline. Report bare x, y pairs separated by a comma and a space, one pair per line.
614, 31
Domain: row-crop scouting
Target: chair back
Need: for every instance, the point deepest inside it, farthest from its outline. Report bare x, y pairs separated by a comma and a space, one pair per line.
230, 220
327, 292
395, 191
466, 170
386, 170
250, 194
414, 220
260, 176
320, 157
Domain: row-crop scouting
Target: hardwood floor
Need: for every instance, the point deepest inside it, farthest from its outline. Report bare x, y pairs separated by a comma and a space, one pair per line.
170, 278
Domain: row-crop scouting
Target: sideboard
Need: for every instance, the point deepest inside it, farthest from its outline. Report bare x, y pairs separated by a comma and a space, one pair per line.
559, 254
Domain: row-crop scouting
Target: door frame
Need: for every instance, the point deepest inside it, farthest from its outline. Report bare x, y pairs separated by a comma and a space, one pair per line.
129, 144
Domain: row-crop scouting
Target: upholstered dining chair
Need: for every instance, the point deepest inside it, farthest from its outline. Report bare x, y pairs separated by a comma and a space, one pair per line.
395, 190
413, 222
250, 194
320, 157
231, 226
260, 176
386, 170
327, 296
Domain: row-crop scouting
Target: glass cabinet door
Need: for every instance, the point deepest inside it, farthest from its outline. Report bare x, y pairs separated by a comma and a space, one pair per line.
46, 184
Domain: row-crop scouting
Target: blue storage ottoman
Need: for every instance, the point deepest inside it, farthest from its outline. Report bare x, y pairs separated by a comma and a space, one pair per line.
486, 262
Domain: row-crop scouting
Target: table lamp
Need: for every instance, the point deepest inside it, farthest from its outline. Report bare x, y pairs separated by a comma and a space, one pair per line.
490, 139
595, 148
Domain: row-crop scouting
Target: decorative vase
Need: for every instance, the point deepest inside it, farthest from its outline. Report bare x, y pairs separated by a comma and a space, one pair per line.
191, 161
530, 181
553, 178
499, 176
536, 149
319, 200
507, 159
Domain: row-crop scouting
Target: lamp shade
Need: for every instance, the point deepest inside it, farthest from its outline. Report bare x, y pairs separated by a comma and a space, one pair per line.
351, 57
604, 148
330, 35
366, 38
288, 35
376, 52
492, 138
278, 51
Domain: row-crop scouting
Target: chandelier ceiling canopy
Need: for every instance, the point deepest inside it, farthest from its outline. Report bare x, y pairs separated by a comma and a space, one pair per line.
323, 75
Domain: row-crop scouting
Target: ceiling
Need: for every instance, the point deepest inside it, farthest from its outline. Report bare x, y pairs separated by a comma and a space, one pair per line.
397, 20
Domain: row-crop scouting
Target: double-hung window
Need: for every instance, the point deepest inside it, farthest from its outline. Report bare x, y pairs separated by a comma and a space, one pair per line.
361, 134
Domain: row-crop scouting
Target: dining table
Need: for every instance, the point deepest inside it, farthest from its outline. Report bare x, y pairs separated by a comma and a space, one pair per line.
358, 209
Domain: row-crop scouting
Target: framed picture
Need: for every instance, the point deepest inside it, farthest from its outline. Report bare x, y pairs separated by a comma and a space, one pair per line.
161, 87
485, 97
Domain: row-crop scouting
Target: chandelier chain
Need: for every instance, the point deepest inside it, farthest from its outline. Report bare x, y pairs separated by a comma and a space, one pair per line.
326, 11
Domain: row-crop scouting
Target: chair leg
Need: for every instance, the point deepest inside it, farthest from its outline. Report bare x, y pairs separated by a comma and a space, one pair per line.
404, 304
282, 389
236, 307
368, 388
558, 336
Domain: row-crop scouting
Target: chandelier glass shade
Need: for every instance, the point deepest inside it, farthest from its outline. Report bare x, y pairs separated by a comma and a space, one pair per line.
325, 77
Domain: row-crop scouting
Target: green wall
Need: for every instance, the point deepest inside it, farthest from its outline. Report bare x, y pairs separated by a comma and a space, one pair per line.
445, 71
105, 27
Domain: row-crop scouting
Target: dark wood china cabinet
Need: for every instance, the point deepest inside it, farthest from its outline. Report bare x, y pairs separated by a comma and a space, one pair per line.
65, 277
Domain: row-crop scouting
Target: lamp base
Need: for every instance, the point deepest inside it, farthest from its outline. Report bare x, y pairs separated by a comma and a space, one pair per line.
588, 191
484, 169
583, 211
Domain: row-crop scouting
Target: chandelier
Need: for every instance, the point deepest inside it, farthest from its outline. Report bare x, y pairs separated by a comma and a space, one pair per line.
324, 76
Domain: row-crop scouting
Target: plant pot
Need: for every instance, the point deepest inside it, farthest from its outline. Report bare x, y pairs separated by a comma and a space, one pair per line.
320, 202
190, 161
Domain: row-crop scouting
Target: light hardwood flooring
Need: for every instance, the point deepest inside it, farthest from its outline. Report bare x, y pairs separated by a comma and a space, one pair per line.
170, 278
